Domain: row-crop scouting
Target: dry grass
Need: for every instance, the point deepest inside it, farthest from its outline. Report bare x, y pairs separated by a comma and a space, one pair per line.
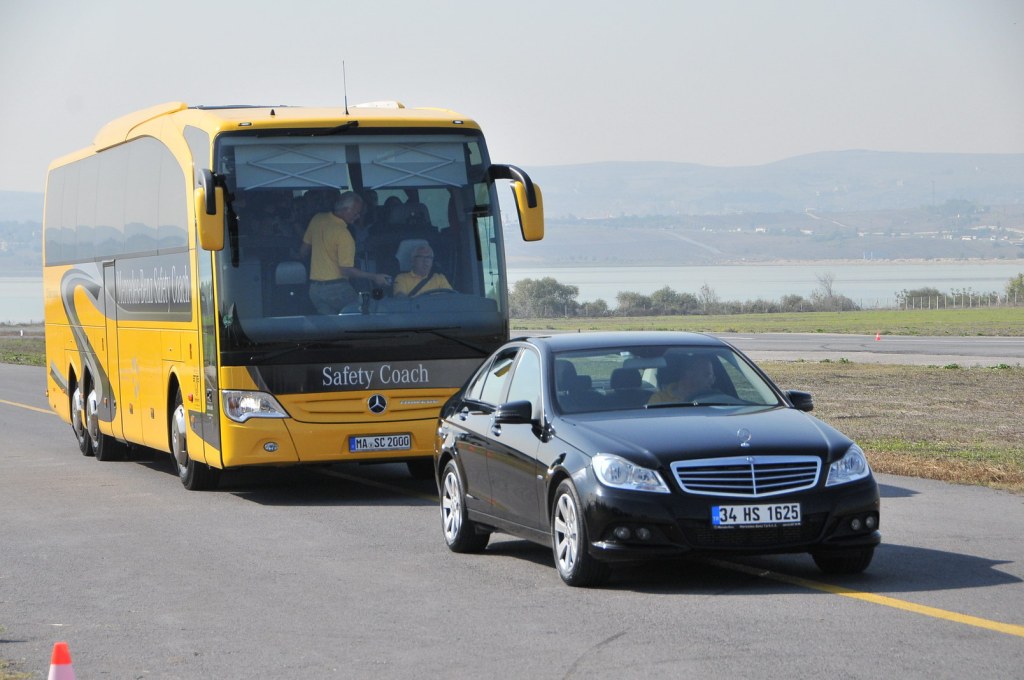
956, 424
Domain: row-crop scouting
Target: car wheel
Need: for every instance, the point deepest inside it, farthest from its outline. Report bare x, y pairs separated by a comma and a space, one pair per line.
844, 562
194, 476
460, 533
78, 421
569, 541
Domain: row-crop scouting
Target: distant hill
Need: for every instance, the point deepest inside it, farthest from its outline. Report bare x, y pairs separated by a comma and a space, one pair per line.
21, 206
842, 181
834, 205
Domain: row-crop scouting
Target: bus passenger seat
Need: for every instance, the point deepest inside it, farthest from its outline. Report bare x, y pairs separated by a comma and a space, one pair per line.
290, 295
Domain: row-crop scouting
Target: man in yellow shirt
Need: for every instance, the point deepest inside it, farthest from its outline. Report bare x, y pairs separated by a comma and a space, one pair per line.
419, 279
332, 250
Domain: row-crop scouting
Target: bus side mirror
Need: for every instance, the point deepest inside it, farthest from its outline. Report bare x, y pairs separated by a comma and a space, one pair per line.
529, 203
209, 206
531, 218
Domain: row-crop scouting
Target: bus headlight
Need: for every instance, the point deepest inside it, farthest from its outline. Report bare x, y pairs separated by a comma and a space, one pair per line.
241, 405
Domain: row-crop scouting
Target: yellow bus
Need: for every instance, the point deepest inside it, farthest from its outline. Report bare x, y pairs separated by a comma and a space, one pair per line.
177, 303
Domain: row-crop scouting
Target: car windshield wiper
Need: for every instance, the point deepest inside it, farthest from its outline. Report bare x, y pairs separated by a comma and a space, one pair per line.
675, 404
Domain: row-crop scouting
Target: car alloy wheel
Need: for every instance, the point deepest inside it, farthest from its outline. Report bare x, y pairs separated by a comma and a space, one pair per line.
460, 533
569, 541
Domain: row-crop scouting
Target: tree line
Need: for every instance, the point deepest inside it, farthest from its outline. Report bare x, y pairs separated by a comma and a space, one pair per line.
547, 298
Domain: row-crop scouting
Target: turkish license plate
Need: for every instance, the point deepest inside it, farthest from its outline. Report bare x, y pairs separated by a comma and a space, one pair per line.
762, 515
380, 442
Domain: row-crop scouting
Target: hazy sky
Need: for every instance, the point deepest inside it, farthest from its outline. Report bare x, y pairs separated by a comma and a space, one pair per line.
552, 82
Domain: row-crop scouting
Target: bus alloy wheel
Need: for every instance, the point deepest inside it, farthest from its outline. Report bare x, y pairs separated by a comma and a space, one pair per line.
194, 476
78, 421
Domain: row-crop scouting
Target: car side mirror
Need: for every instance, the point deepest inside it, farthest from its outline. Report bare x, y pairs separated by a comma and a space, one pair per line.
802, 401
514, 412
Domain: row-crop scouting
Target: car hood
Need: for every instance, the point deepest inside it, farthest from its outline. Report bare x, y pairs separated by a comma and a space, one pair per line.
703, 432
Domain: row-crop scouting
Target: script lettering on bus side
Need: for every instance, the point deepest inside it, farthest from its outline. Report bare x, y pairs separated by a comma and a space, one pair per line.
154, 287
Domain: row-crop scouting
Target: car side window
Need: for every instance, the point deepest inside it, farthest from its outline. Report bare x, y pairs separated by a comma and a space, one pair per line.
475, 387
497, 376
525, 385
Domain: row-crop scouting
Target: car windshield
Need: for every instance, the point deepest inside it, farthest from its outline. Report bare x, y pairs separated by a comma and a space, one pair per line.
657, 377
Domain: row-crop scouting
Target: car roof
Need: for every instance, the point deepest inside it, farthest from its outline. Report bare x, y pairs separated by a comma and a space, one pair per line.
570, 341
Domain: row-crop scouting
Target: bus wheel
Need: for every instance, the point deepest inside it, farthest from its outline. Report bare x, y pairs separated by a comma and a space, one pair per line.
194, 476
104, 447
78, 421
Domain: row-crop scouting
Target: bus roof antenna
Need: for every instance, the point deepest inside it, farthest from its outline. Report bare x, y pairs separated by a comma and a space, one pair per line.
344, 85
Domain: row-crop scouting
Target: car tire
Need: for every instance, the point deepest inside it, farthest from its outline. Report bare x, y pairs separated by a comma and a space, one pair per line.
194, 476
460, 533
570, 541
844, 562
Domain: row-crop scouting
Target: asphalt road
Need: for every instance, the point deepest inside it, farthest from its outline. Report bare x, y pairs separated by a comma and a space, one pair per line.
342, 572
885, 349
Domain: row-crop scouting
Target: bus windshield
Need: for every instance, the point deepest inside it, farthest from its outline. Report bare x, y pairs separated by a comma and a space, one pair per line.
424, 193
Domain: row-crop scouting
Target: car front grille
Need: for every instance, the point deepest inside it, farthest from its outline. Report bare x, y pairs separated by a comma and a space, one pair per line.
747, 476
702, 535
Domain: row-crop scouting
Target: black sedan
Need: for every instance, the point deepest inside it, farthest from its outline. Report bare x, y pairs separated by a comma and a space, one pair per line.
635, 446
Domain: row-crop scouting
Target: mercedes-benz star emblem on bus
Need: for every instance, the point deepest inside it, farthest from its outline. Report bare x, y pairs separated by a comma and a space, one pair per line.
377, 403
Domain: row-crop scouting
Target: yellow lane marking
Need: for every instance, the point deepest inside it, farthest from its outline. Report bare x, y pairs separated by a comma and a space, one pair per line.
30, 408
380, 485
1008, 628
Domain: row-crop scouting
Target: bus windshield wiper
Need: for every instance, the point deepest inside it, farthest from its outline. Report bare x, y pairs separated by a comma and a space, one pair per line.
299, 346
439, 332
386, 333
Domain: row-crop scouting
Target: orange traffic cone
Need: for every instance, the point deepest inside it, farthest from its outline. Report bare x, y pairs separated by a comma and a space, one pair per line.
878, 336
60, 663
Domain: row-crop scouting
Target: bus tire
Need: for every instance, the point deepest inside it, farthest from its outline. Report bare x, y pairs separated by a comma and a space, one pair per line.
104, 447
194, 476
78, 420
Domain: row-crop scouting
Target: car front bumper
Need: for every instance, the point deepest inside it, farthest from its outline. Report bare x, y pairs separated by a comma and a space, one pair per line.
624, 525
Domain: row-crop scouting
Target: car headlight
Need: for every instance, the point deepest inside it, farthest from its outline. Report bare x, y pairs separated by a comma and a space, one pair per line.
619, 473
849, 468
241, 405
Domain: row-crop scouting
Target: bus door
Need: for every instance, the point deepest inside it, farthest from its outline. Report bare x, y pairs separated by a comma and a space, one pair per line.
203, 414
109, 351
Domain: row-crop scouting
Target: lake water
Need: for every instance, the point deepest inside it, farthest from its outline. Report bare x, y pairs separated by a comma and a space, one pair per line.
869, 284
21, 299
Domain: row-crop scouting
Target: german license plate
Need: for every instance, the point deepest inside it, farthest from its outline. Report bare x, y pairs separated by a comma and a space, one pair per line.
747, 515
380, 442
